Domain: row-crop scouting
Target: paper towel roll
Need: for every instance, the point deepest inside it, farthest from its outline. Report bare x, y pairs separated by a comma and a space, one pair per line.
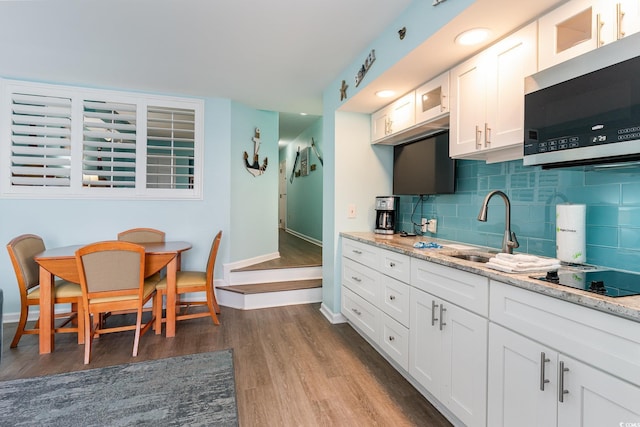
570, 233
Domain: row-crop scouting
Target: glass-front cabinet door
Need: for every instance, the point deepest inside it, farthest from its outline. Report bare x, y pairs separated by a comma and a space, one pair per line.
432, 99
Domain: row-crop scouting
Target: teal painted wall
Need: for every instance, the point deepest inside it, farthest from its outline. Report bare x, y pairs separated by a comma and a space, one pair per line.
63, 222
612, 198
254, 199
304, 194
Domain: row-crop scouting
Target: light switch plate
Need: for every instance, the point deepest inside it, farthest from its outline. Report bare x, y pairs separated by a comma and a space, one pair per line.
351, 211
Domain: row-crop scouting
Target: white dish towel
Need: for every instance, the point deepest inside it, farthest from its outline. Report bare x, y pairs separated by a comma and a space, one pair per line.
521, 263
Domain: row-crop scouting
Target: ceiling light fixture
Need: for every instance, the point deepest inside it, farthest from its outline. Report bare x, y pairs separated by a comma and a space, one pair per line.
472, 36
385, 93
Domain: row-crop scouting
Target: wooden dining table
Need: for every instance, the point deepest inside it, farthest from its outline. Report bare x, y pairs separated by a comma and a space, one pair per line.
61, 262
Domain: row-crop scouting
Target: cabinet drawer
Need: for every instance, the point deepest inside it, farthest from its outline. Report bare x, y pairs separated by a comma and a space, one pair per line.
361, 252
395, 265
362, 280
607, 342
467, 290
394, 341
361, 314
395, 299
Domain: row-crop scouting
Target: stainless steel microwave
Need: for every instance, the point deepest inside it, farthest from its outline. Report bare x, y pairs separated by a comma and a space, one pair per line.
593, 118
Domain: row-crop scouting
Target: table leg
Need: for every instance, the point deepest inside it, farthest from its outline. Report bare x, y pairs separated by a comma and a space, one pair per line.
172, 269
47, 341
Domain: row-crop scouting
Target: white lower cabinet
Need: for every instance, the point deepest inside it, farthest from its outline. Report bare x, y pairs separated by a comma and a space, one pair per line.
394, 341
375, 299
361, 313
534, 384
526, 379
594, 398
490, 353
448, 355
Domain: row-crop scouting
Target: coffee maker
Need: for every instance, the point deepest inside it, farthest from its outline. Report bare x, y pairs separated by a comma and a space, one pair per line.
386, 208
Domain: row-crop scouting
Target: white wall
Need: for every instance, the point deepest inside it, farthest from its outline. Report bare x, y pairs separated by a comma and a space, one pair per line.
361, 173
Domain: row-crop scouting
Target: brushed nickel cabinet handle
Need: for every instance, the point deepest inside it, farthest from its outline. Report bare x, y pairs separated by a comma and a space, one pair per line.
487, 135
561, 390
392, 297
357, 252
359, 313
356, 279
478, 137
442, 310
442, 98
392, 264
543, 361
392, 338
599, 25
388, 127
434, 319
619, 15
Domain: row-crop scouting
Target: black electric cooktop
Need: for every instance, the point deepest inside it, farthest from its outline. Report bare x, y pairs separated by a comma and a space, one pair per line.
611, 283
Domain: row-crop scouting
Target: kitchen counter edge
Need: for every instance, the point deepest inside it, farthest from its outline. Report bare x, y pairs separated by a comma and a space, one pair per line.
626, 307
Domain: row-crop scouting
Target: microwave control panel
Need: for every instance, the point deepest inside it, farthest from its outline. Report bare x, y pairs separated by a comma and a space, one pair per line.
597, 136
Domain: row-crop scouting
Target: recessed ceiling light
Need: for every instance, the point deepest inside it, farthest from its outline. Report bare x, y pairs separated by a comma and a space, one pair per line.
385, 93
472, 36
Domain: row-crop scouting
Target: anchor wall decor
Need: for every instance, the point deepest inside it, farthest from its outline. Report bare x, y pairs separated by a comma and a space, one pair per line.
254, 168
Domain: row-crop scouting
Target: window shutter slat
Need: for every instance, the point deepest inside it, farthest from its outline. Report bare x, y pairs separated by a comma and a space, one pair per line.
40, 140
49, 125
109, 139
170, 147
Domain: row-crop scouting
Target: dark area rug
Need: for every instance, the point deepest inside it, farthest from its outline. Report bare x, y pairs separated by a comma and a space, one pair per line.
193, 390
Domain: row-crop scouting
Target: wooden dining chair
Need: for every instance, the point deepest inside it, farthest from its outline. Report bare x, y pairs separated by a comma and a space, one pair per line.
142, 235
188, 282
21, 252
112, 279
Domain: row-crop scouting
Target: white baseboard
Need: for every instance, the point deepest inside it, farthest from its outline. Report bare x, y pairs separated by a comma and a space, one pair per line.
268, 299
333, 318
247, 262
304, 237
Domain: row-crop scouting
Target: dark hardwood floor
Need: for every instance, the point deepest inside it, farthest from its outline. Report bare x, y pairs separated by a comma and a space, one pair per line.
292, 367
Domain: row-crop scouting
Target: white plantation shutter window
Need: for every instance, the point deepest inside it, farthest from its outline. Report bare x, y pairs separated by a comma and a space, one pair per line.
90, 143
40, 140
170, 147
108, 144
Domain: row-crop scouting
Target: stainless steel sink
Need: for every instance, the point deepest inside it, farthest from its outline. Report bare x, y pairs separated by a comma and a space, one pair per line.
472, 257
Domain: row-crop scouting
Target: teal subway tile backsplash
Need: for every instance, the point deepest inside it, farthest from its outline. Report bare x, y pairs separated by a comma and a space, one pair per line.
630, 194
630, 238
602, 215
612, 198
629, 216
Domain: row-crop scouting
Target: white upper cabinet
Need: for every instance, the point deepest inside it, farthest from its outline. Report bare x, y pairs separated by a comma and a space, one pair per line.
432, 99
487, 99
393, 118
583, 25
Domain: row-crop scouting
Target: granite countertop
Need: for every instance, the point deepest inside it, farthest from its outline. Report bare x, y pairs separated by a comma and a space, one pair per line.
626, 307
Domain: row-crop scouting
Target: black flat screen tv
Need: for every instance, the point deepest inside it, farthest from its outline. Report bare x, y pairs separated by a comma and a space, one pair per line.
423, 167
